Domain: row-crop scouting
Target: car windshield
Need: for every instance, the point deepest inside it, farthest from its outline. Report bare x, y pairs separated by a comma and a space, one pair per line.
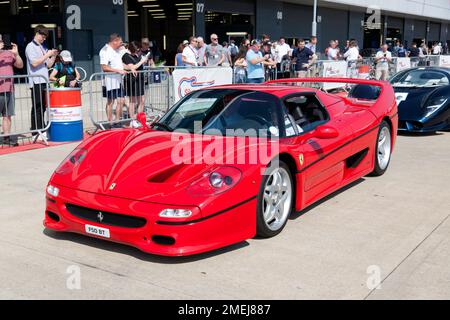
420, 78
226, 112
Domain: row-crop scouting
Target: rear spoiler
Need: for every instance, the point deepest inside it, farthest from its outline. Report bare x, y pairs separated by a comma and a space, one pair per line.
383, 84
386, 97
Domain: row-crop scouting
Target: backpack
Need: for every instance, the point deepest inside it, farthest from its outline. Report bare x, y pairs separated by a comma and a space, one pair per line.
233, 50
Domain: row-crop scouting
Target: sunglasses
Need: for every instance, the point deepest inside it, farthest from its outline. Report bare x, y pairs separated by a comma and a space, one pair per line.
214, 38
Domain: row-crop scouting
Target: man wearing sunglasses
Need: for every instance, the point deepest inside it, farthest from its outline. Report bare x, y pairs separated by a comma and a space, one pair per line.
190, 53
39, 60
214, 55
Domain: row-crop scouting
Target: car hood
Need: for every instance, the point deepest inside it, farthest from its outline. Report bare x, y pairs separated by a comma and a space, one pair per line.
150, 166
411, 105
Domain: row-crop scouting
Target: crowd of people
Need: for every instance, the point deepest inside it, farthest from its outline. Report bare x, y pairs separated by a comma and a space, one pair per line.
253, 61
256, 60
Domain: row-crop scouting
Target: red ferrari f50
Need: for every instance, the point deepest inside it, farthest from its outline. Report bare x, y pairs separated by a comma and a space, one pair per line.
223, 165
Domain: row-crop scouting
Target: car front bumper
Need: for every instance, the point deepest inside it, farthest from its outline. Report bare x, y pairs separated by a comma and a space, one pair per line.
227, 227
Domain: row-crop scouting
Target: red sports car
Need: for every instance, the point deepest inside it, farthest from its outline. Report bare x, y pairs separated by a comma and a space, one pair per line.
223, 165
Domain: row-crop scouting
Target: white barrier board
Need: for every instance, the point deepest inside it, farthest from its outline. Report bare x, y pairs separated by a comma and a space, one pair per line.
444, 61
402, 64
334, 69
187, 80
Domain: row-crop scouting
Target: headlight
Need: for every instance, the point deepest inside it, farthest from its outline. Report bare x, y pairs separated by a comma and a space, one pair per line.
175, 213
75, 158
53, 191
434, 105
215, 182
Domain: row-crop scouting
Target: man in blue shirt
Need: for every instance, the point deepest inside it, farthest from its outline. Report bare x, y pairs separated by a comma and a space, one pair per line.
401, 51
303, 58
256, 62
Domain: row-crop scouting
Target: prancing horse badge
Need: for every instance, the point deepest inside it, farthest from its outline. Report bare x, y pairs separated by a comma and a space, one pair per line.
111, 187
301, 159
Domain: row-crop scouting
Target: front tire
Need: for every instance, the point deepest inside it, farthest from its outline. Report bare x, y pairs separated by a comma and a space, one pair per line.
275, 200
383, 150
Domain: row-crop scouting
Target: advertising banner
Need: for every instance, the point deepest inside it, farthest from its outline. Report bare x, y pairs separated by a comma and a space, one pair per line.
186, 80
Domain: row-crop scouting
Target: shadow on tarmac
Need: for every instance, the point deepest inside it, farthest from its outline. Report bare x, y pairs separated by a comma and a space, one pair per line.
136, 253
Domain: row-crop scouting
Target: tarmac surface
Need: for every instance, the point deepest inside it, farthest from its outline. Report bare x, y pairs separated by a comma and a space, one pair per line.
393, 231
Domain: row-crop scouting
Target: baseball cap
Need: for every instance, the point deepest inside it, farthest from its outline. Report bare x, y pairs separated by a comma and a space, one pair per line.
185, 42
66, 56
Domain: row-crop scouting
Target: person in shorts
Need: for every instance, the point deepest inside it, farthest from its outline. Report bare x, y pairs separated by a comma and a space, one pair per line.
135, 80
8, 59
303, 58
382, 60
111, 61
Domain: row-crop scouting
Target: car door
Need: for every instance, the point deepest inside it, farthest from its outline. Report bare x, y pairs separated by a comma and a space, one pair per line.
321, 160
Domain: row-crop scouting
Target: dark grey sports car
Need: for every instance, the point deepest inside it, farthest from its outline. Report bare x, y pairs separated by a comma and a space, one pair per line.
423, 98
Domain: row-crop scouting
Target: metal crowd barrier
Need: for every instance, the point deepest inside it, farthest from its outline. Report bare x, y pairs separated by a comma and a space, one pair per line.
25, 107
115, 99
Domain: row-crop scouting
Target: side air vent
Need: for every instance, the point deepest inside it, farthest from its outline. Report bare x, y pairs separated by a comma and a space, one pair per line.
355, 160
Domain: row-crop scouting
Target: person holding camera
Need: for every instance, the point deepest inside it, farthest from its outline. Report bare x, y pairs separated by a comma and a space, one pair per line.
382, 60
9, 59
39, 60
64, 73
256, 62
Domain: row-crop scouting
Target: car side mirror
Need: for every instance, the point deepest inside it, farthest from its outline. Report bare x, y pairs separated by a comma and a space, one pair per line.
326, 132
142, 119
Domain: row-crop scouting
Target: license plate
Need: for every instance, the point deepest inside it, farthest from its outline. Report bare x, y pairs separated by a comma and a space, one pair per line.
101, 232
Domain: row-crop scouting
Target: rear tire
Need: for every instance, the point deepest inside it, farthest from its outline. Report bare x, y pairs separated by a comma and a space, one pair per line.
275, 200
383, 150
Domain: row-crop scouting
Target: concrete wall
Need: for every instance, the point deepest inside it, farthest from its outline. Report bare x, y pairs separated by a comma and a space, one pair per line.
99, 18
435, 9
266, 18
334, 25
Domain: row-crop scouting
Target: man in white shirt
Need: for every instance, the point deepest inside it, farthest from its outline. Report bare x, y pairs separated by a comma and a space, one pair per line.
190, 53
352, 56
382, 59
333, 51
437, 49
111, 62
282, 49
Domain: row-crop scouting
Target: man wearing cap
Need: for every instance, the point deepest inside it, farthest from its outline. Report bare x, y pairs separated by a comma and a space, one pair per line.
8, 59
39, 60
64, 72
256, 62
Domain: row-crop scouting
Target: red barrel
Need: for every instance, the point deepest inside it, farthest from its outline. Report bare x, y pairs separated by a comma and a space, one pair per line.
65, 114
364, 71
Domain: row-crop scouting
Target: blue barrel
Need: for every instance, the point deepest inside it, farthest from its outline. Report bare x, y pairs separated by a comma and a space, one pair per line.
66, 115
